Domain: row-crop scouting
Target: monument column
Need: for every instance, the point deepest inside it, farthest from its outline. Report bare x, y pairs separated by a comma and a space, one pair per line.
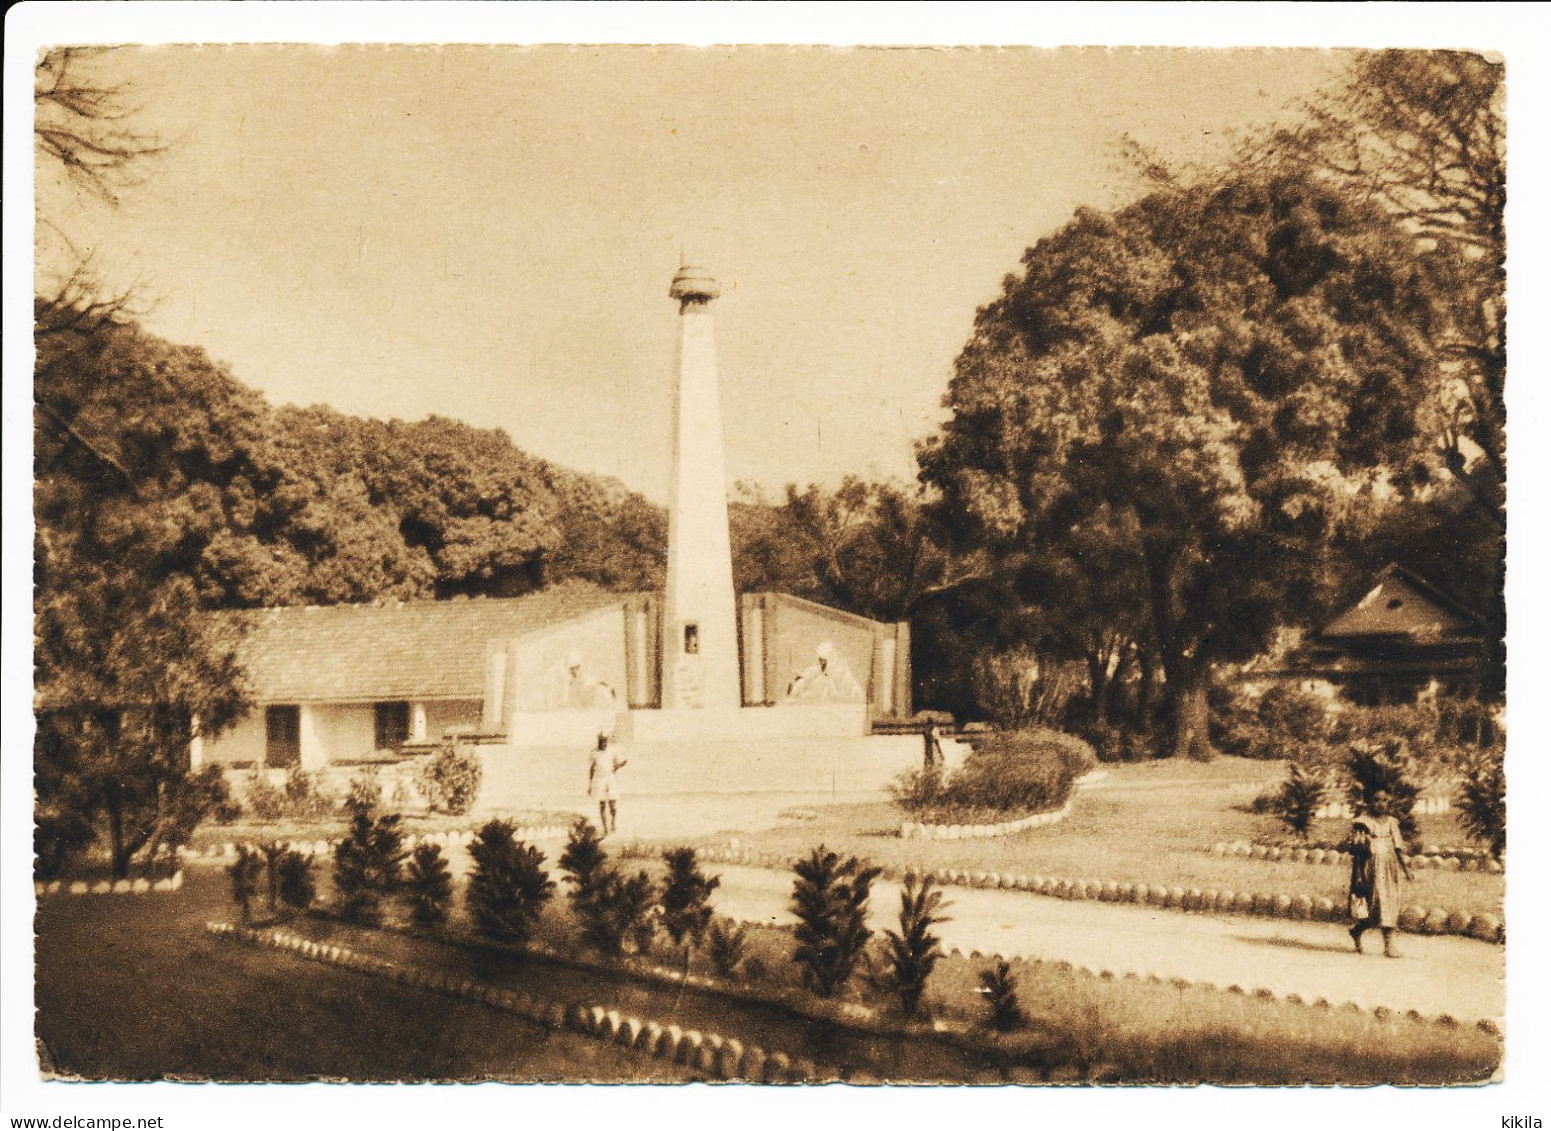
699, 628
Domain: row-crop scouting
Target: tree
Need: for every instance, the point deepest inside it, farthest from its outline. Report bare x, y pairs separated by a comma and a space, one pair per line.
244, 875
368, 864
1005, 1012
429, 885
620, 908
913, 950
296, 886
1483, 800
1422, 134
869, 548
724, 945
1217, 371
686, 900
585, 861
1299, 799
508, 888
85, 126
829, 899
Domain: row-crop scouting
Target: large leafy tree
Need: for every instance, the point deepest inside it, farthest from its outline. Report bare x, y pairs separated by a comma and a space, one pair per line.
1421, 134
1216, 373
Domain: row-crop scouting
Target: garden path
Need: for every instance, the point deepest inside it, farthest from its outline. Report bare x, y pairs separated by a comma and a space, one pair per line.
1434, 975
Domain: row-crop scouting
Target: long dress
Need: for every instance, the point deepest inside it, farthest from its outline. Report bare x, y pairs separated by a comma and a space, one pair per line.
1375, 845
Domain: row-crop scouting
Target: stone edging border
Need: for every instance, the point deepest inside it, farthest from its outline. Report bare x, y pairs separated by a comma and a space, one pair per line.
925, 831
1415, 919
722, 1058
1431, 856
1380, 1012
1433, 804
141, 886
445, 838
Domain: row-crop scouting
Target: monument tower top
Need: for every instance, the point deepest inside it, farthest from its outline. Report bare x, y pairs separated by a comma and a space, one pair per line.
700, 619
693, 285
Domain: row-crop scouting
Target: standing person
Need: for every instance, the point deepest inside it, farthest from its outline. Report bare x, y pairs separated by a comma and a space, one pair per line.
602, 767
1377, 865
933, 752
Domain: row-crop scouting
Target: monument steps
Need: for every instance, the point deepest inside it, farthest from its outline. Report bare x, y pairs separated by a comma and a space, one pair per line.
531, 776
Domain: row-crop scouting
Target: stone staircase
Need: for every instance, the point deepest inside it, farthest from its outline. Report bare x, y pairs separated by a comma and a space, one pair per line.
540, 776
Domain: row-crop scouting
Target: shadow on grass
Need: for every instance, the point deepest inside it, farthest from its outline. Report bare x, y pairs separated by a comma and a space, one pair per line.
1281, 943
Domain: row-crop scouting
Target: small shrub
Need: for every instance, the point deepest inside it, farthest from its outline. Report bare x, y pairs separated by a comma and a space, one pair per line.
304, 798
1298, 800
244, 874
724, 946
1016, 688
365, 793
508, 888
686, 897
228, 812
271, 854
59, 835
583, 862
264, 801
643, 935
1014, 772
1298, 717
1483, 801
428, 884
1004, 1012
829, 899
913, 951
1382, 781
193, 799
297, 886
367, 865
917, 791
449, 780
617, 911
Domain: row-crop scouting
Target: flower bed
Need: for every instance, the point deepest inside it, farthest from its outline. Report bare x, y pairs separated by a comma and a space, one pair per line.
928, 831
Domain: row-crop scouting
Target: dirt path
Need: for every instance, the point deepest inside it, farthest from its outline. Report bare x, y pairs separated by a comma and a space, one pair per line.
1435, 975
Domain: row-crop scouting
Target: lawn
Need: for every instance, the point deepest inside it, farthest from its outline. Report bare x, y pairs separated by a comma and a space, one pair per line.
131, 988
1150, 821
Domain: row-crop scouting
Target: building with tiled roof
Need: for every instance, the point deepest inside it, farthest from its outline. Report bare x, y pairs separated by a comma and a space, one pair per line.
1403, 635
350, 684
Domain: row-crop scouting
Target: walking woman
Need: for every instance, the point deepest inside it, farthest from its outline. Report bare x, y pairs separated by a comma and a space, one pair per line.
1378, 863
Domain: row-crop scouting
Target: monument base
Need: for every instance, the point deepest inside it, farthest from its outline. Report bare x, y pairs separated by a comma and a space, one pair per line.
819, 768
745, 724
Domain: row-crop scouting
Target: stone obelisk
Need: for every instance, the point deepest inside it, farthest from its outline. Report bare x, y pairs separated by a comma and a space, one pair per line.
699, 626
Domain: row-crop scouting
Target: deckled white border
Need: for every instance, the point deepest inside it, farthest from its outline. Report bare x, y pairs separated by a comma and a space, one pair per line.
1518, 32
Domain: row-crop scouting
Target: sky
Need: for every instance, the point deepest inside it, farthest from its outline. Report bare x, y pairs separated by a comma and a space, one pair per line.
488, 233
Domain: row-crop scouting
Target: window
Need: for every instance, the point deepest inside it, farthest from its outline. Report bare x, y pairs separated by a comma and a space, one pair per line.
691, 639
282, 736
392, 725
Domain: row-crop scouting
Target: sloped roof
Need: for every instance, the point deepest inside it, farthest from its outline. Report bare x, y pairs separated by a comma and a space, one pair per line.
409, 650
1402, 604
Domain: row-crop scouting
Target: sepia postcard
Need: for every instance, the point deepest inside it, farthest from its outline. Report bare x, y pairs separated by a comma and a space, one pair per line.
765, 566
